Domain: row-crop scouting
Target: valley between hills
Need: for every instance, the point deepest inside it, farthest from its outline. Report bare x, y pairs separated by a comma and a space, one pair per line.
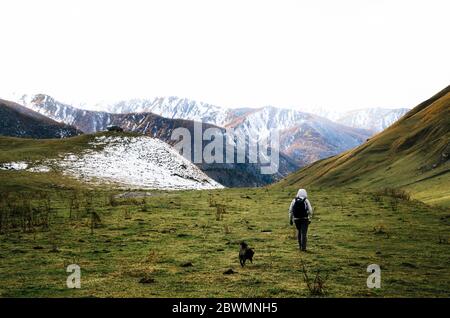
385, 201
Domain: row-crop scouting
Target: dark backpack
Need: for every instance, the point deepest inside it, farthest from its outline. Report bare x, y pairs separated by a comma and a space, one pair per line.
300, 208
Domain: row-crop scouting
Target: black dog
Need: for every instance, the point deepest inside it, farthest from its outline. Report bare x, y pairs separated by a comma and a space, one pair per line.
245, 253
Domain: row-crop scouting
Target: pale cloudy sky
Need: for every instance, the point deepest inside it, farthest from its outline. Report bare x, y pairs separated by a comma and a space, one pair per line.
342, 54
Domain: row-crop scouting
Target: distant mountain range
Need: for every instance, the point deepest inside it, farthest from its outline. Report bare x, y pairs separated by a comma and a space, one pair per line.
373, 119
304, 137
19, 121
413, 153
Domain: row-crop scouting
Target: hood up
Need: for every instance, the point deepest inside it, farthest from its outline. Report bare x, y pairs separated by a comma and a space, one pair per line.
302, 194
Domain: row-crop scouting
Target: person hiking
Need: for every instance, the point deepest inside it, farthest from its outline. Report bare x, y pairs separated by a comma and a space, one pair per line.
300, 213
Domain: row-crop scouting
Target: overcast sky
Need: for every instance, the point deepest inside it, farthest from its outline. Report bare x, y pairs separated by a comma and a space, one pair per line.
342, 54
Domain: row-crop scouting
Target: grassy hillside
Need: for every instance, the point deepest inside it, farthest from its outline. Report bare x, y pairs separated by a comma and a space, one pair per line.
25, 149
412, 154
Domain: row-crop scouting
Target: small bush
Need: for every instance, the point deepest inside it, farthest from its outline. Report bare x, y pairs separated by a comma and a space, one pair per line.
145, 207
74, 204
96, 221
443, 240
220, 211
394, 193
212, 203
315, 286
226, 229
112, 200
380, 230
25, 212
127, 214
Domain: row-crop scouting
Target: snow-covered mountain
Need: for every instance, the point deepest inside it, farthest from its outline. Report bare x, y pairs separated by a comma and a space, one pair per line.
130, 114
304, 137
136, 162
374, 119
172, 107
85, 120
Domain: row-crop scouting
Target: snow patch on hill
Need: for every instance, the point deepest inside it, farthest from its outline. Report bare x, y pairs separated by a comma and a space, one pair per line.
374, 119
133, 162
19, 165
140, 162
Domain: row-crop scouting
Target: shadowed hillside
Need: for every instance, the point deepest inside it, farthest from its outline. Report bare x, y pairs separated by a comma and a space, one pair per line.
19, 121
412, 154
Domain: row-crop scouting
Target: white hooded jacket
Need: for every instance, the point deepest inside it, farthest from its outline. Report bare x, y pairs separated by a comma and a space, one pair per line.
301, 194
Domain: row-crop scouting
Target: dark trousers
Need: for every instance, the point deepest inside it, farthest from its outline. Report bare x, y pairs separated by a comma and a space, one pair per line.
302, 227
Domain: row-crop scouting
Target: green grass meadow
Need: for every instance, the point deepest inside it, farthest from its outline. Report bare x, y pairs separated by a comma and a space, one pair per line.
175, 244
